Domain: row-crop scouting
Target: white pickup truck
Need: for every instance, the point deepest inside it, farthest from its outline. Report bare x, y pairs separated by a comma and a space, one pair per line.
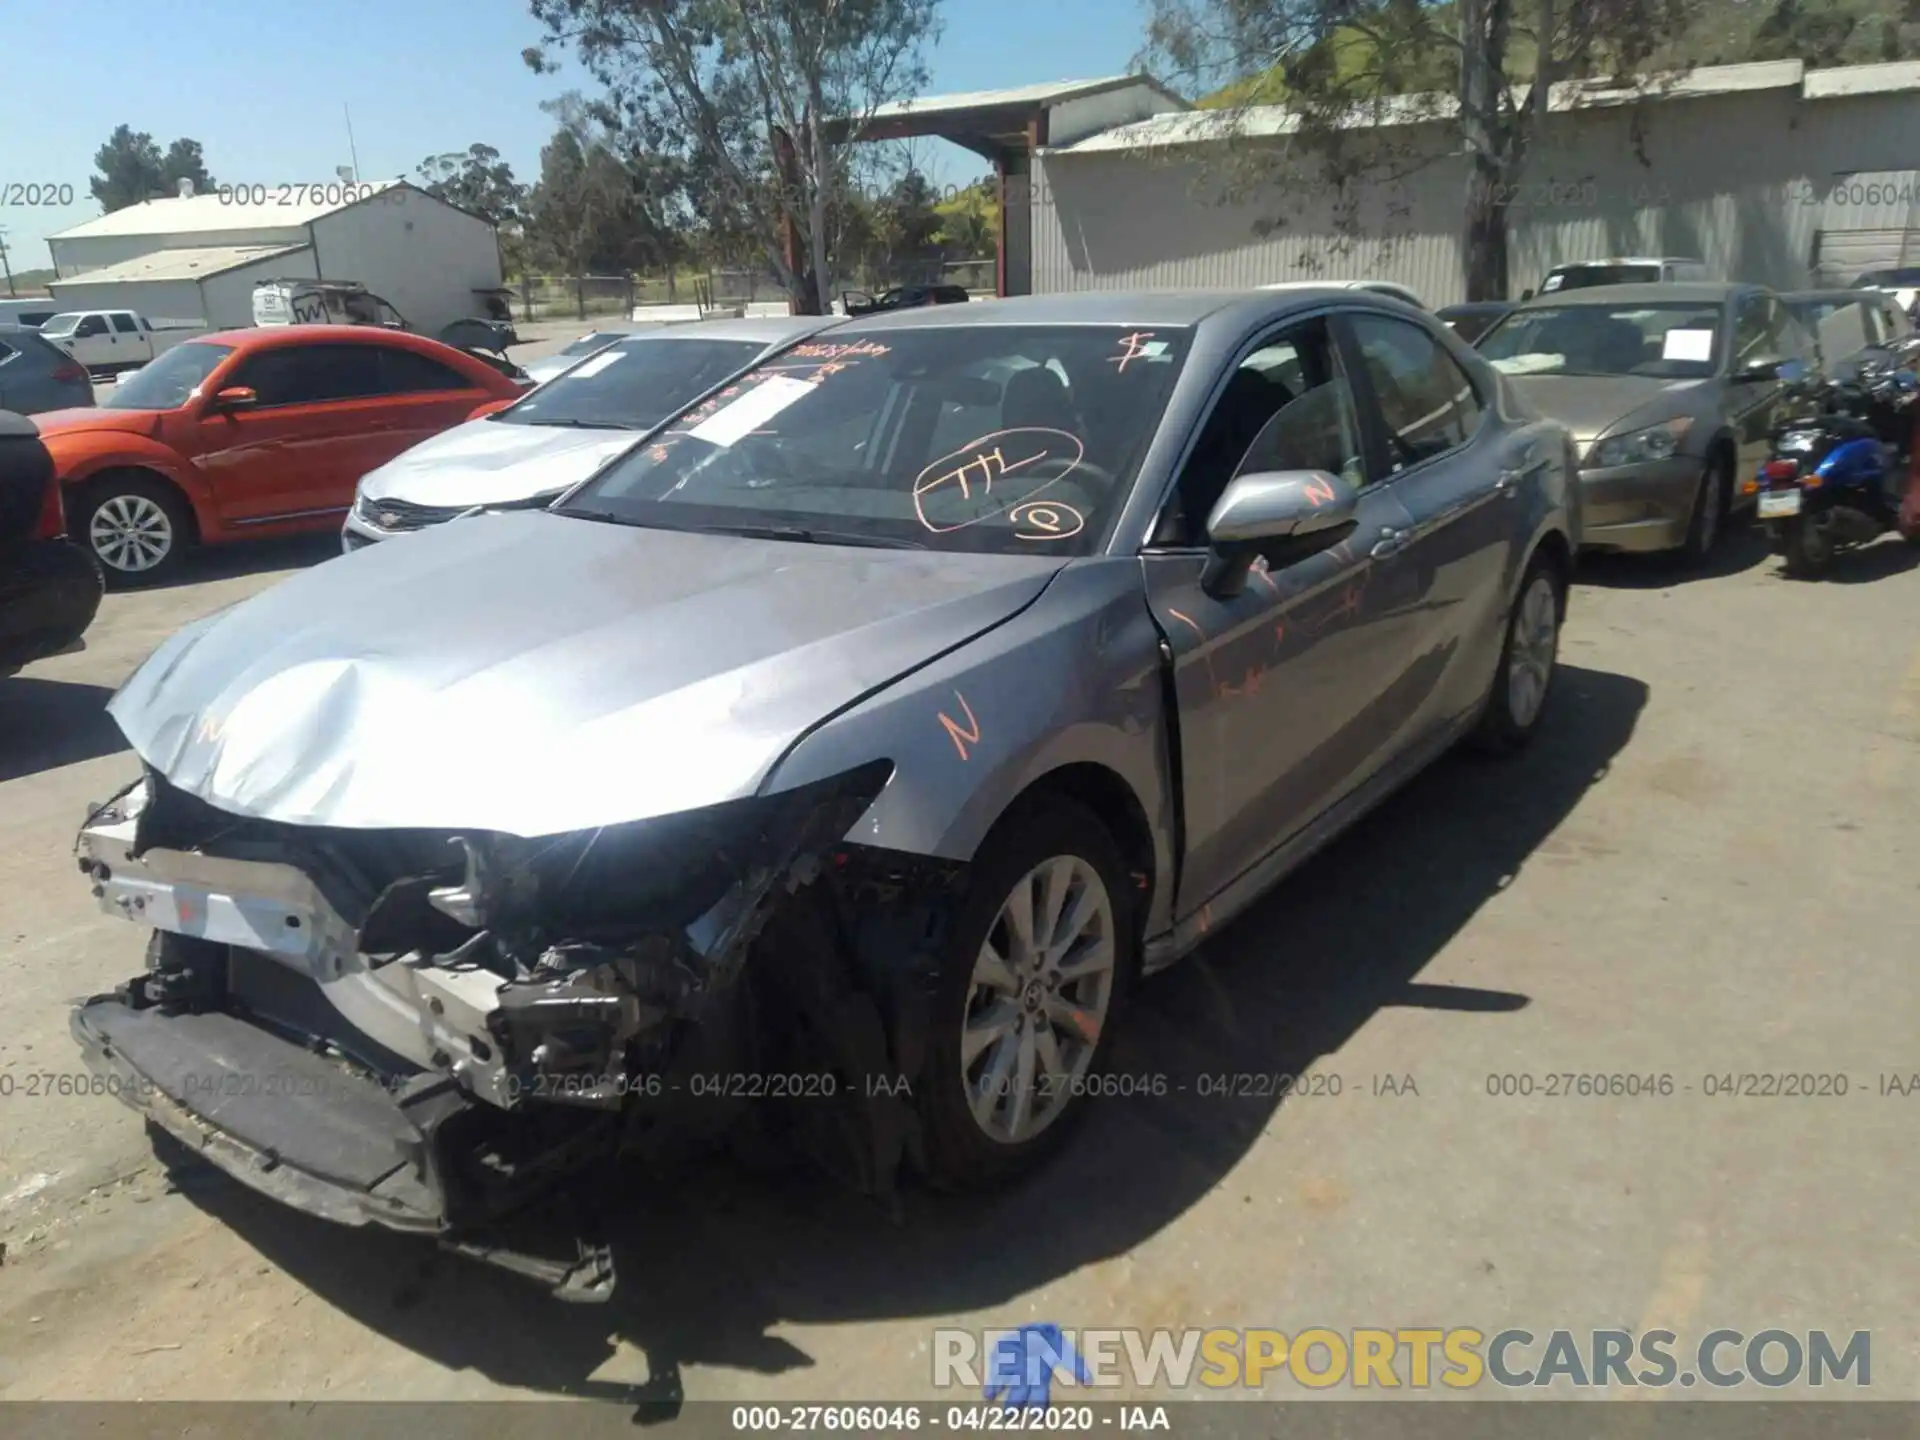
108, 341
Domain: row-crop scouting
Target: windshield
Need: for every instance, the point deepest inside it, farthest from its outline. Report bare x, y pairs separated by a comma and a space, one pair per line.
170, 381
1002, 438
633, 385
61, 325
1665, 342
1585, 277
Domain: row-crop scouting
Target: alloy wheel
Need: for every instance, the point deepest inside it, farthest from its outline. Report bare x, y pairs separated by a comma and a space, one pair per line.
1041, 988
1530, 655
130, 533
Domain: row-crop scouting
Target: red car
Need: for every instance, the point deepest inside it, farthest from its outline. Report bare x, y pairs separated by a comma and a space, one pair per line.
252, 433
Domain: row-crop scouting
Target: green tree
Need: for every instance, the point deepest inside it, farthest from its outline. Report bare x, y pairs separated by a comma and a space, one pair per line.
475, 179
970, 222
132, 168
749, 96
185, 162
598, 209
1343, 68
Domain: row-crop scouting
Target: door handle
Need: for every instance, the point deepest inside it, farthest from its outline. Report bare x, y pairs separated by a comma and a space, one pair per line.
1390, 542
1508, 482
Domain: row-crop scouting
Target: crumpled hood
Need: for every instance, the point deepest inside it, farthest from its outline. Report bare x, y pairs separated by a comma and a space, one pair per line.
488, 462
1595, 405
533, 673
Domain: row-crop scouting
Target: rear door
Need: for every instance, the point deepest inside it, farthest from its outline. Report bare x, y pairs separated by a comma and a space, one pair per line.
1457, 474
131, 344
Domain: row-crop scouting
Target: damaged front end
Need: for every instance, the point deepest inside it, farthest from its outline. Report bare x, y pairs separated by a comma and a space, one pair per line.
426, 1030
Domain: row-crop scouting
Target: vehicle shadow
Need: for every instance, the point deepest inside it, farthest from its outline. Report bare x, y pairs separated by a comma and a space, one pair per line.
1742, 547
45, 724
251, 557
712, 1258
1886, 557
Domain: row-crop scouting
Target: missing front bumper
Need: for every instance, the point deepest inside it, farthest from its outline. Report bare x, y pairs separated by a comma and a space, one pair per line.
308, 1133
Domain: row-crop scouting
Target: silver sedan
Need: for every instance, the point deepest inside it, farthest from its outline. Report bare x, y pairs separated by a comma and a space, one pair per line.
857, 740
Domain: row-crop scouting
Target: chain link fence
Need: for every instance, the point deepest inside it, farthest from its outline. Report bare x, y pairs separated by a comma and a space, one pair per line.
717, 291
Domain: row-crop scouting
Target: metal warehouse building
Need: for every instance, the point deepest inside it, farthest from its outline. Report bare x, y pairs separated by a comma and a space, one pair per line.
196, 258
1769, 172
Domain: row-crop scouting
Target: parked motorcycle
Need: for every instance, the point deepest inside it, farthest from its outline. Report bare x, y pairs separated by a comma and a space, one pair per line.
1836, 479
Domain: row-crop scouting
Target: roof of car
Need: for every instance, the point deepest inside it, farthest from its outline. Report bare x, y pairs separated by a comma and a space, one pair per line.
1679, 292
1632, 260
1837, 297
1106, 307
1477, 307
270, 337
765, 329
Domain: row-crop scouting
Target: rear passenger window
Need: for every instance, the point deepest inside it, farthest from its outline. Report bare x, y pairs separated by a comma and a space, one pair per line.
7, 352
124, 324
1426, 400
407, 373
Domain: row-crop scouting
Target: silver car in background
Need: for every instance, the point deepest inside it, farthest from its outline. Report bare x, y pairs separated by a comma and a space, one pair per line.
547, 366
560, 433
1671, 391
874, 726
36, 375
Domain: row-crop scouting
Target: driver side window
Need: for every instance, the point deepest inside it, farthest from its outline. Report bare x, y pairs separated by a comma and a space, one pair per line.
1287, 406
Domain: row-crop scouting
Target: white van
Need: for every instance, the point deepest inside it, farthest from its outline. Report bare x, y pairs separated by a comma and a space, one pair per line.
322, 302
1622, 270
30, 313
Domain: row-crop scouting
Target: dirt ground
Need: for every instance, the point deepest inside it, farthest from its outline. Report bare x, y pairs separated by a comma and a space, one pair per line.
1709, 866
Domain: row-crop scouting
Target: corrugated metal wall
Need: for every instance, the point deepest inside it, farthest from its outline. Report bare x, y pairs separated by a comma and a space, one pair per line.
1742, 181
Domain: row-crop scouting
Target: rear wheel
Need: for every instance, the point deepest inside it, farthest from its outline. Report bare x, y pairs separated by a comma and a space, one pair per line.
1807, 546
1030, 989
1527, 661
137, 527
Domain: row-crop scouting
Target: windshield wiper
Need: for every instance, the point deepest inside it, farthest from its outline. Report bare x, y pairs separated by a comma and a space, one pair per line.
589, 424
807, 536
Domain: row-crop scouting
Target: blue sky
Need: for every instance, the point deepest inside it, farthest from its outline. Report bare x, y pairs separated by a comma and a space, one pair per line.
263, 84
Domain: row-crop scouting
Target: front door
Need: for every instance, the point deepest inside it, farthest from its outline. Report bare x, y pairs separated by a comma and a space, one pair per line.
92, 342
1284, 691
319, 415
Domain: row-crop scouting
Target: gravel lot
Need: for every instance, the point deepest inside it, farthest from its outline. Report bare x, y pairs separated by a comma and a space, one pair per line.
1709, 866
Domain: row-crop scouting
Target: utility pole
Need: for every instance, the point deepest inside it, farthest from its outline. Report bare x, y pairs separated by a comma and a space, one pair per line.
5, 263
353, 153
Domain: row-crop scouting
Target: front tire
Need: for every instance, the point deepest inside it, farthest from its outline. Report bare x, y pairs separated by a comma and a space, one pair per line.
1709, 520
1527, 661
1030, 988
136, 527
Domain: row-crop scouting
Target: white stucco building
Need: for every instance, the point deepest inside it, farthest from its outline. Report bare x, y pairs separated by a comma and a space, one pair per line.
196, 258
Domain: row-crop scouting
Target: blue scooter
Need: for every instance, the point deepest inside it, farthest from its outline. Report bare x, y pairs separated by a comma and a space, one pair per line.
1835, 479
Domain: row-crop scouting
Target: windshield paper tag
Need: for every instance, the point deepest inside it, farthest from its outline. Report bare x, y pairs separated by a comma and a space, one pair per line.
594, 366
1687, 345
751, 410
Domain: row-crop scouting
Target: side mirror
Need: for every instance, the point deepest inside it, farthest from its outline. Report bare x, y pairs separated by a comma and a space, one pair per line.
1285, 515
1525, 295
1759, 372
235, 397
